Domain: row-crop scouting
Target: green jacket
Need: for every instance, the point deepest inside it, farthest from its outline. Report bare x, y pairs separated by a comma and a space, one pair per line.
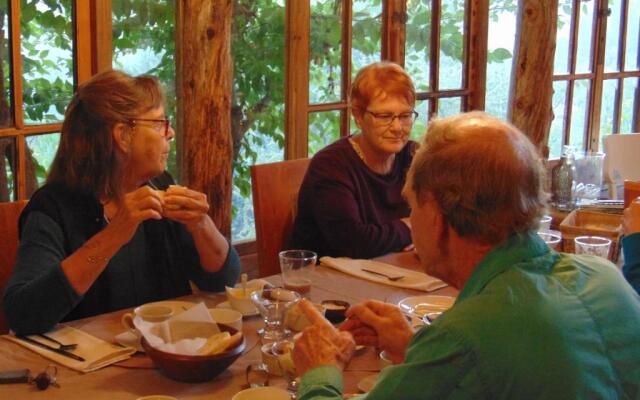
529, 324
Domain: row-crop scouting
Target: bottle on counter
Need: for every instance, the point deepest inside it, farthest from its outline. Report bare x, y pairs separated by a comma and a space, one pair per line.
563, 182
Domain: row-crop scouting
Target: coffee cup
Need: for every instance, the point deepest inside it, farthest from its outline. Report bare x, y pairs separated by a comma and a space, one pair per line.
277, 357
228, 317
147, 312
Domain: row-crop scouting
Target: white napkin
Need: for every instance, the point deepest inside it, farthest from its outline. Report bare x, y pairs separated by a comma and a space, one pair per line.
412, 279
96, 352
158, 334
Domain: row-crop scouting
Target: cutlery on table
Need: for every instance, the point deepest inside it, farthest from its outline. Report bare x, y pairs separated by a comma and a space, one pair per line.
70, 346
391, 278
51, 348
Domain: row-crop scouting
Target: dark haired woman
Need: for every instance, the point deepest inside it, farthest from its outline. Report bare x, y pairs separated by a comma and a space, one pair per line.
107, 231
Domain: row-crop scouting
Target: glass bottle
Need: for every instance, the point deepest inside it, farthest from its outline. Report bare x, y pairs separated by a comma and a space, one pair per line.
563, 180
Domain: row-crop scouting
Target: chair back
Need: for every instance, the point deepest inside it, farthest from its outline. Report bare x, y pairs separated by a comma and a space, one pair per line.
621, 161
275, 189
9, 215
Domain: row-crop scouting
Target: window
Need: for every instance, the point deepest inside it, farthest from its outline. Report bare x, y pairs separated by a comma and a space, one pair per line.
597, 73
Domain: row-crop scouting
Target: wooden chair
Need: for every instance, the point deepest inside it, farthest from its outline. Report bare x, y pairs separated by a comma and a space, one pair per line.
275, 202
9, 214
621, 161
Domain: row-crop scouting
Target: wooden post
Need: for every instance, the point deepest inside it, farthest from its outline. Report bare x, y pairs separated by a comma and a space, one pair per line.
531, 91
204, 76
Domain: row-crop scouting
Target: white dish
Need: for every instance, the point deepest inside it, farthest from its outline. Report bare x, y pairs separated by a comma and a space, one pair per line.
367, 383
131, 339
225, 304
421, 305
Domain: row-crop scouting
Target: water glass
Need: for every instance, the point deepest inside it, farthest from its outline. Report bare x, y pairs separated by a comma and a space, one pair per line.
296, 267
545, 223
552, 239
589, 166
273, 304
593, 245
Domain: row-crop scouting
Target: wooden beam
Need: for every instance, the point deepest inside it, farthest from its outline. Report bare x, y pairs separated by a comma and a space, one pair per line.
83, 41
204, 77
530, 107
394, 23
477, 26
296, 96
101, 36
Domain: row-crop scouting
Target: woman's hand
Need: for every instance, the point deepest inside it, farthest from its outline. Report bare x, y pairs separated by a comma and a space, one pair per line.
186, 206
141, 204
374, 323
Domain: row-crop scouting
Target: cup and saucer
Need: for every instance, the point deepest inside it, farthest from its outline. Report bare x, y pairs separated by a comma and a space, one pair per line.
152, 313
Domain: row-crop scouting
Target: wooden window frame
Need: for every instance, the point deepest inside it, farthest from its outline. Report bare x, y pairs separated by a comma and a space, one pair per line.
597, 76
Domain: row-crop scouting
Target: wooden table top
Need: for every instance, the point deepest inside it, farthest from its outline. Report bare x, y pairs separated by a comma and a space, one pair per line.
137, 377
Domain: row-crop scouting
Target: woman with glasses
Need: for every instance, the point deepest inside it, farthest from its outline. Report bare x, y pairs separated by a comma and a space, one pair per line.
350, 201
108, 231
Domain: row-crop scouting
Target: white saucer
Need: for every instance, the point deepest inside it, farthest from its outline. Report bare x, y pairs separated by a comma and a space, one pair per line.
421, 305
225, 304
129, 339
368, 382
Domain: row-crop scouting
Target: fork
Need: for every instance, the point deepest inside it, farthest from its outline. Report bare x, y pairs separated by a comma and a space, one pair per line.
391, 278
70, 346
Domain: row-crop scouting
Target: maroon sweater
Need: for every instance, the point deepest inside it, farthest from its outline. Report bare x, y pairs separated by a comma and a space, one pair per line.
345, 209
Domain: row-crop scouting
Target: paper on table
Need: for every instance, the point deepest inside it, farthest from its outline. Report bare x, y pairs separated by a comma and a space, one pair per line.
190, 330
412, 279
96, 352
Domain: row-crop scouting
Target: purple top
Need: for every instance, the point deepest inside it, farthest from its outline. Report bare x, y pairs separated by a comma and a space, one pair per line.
346, 209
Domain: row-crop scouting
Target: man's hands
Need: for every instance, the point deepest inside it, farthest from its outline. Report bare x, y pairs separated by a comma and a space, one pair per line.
374, 323
631, 220
320, 343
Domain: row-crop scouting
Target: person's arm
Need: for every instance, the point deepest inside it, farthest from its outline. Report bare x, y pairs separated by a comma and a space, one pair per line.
631, 245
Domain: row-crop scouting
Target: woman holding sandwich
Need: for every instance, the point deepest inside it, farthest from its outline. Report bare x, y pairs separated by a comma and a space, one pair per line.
108, 230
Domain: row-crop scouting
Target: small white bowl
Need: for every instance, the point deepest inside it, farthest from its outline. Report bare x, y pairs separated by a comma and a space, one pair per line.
262, 393
227, 316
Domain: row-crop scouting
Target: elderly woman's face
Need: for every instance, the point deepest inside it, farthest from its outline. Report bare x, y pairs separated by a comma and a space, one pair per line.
386, 123
150, 144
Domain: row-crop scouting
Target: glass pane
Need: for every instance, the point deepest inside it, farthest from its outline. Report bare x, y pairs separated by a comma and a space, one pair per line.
418, 43
366, 43
563, 36
324, 128
449, 106
609, 89
257, 117
42, 150
633, 37
143, 37
6, 103
451, 44
47, 59
613, 37
325, 51
556, 133
579, 110
8, 163
585, 37
629, 104
502, 33
420, 125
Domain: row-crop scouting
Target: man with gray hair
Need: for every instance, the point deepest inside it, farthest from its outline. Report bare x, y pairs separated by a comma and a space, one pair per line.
528, 323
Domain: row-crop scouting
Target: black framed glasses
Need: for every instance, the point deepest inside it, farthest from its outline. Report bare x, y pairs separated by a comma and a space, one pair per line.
159, 124
406, 118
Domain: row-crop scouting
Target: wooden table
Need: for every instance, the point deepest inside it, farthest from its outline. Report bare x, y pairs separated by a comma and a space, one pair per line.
136, 377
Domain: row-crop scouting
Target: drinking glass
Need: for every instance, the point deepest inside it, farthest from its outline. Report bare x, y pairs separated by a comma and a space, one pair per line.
552, 239
273, 304
589, 166
593, 245
296, 267
545, 223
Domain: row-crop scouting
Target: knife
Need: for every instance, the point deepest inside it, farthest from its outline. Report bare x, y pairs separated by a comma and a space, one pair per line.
54, 349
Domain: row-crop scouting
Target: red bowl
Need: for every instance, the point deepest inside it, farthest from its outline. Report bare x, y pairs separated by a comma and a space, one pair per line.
188, 368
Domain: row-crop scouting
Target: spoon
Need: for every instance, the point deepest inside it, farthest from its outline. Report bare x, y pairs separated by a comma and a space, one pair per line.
70, 346
391, 278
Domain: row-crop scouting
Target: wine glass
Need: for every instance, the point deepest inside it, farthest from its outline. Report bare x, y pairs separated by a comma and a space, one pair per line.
273, 304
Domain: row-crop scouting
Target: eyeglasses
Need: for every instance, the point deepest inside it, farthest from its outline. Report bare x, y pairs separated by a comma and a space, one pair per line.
159, 124
384, 119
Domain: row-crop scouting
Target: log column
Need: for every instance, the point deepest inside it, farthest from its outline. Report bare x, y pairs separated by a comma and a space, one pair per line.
530, 107
204, 78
